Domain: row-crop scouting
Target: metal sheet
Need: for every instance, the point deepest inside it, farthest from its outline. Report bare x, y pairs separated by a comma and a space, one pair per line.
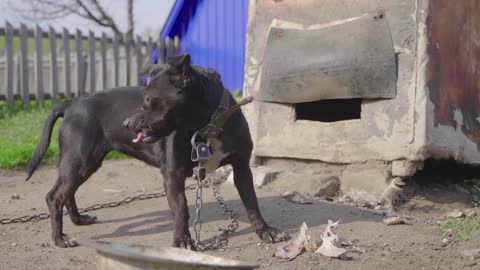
353, 58
453, 69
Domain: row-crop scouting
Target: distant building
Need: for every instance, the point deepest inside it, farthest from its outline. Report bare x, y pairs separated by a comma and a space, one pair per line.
213, 32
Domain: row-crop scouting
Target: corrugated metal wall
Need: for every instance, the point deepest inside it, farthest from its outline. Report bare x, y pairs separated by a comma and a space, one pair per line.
214, 33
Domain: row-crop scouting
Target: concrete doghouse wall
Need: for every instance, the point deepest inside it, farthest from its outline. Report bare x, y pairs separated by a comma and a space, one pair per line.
386, 130
435, 113
384, 124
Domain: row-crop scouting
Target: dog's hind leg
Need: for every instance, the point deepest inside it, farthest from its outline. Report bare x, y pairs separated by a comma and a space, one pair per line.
78, 161
71, 176
55, 207
56, 199
71, 203
243, 180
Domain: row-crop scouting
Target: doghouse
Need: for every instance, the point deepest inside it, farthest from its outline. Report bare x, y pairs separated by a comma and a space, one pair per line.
376, 87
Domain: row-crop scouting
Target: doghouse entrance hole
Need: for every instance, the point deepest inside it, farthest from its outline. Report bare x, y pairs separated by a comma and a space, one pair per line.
332, 110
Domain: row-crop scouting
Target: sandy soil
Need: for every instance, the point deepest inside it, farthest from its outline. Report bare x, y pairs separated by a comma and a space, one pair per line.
28, 246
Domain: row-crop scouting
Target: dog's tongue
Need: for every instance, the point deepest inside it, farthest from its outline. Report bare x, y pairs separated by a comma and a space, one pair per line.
139, 138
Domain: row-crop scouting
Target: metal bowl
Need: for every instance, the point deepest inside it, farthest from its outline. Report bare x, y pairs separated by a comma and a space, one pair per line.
125, 257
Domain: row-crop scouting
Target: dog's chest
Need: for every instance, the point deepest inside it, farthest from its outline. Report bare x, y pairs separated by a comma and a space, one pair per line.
216, 148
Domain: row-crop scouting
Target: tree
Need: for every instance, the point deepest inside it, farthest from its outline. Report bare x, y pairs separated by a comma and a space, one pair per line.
91, 10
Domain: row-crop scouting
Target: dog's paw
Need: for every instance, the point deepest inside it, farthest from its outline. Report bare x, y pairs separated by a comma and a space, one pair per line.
272, 235
81, 220
184, 242
65, 242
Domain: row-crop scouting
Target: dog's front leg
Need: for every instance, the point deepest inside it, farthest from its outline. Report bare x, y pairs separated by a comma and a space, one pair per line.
174, 182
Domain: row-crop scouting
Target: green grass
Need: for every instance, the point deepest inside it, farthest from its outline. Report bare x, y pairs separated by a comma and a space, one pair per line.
465, 229
20, 130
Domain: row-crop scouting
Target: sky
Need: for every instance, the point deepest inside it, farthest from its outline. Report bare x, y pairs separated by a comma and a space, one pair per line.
149, 17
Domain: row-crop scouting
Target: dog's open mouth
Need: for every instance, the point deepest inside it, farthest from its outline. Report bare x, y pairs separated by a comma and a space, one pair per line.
144, 136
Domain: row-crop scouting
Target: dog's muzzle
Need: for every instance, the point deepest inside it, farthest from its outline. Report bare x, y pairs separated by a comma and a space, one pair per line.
145, 134
142, 133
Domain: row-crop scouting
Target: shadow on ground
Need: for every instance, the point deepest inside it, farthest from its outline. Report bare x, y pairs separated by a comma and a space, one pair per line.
278, 213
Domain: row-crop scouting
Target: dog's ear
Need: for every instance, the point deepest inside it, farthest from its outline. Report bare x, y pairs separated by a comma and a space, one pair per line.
150, 70
181, 67
180, 62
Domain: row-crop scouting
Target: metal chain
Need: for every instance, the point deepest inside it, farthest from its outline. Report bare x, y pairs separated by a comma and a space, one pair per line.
221, 240
197, 223
127, 200
201, 155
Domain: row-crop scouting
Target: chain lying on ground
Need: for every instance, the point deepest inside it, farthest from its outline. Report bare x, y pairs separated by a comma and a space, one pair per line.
127, 200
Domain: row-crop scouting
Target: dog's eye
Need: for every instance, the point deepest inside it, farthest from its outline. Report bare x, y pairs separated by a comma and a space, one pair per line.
147, 99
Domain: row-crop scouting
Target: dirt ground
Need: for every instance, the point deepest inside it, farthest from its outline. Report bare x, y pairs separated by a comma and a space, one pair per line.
28, 246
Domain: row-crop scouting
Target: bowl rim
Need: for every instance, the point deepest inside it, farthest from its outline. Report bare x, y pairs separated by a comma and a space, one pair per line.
119, 250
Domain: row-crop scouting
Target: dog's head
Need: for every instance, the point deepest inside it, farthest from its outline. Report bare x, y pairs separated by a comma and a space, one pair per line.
163, 108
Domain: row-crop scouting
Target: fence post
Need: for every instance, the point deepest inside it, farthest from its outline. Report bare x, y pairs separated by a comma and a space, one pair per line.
67, 65
176, 45
24, 64
128, 39
80, 63
138, 51
39, 64
161, 52
103, 52
17, 61
9, 69
149, 50
53, 64
169, 46
91, 52
116, 60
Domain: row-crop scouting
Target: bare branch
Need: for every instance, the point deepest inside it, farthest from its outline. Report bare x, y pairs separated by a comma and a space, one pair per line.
55, 9
105, 16
131, 23
99, 20
41, 9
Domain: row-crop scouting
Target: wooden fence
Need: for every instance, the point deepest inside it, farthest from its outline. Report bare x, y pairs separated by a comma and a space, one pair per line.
38, 64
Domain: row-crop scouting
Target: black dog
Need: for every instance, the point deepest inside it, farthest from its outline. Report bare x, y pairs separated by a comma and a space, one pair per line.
178, 100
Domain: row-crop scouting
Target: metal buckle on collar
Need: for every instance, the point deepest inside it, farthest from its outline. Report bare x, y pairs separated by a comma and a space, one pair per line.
200, 150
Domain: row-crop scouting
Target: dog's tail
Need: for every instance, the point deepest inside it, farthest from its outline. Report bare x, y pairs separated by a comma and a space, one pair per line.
45, 138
